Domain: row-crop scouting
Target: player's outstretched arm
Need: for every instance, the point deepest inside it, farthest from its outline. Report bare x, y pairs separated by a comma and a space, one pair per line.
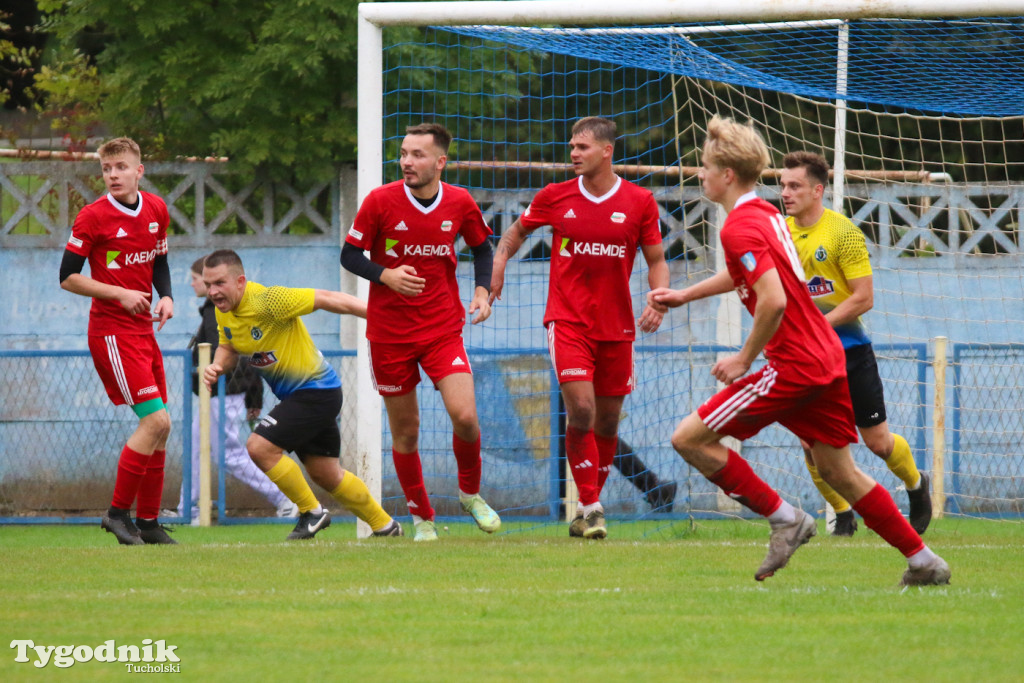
657, 277
719, 283
338, 302
508, 246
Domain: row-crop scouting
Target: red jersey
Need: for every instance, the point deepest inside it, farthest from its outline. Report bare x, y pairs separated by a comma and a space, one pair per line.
756, 239
594, 244
120, 244
397, 230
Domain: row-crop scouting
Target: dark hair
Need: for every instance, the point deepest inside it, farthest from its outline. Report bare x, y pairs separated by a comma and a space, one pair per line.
813, 164
601, 128
442, 138
197, 265
223, 257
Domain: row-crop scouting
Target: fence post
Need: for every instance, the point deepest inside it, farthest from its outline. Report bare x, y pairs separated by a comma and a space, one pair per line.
939, 362
204, 438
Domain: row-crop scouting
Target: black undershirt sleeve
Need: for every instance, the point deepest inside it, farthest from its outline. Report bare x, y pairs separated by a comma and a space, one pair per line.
162, 276
355, 261
71, 263
483, 264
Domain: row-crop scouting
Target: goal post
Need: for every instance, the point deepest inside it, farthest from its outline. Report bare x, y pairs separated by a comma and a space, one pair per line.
920, 113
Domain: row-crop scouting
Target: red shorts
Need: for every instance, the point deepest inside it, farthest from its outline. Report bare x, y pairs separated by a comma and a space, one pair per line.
394, 370
814, 413
130, 366
576, 358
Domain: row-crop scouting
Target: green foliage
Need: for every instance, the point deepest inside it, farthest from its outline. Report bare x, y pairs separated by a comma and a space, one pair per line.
240, 603
268, 84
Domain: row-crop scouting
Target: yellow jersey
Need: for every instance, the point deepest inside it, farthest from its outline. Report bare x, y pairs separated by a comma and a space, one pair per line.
266, 327
832, 252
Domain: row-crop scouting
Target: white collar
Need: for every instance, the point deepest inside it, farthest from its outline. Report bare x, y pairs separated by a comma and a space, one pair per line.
415, 202
606, 195
745, 198
124, 209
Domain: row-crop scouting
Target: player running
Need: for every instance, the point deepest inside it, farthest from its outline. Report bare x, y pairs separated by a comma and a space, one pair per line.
598, 221
838, 273
265, 324
803, 385
415, 315
123, 234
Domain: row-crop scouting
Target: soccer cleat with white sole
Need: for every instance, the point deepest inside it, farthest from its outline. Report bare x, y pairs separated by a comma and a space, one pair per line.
935, 573
784, 541
392, 529
287, 509
595, 525
425, 531
578, 525
309, 524
484, 516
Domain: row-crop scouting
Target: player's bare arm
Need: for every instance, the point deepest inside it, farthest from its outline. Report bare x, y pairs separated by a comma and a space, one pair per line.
860, 301
508, 246
480, 305
657, 277
771, 305
224, 360
338, 302
133, 301
403, 280
719, 283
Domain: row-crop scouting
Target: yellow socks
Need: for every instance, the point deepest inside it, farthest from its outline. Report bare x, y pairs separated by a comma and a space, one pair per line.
901, 463
287, 475
353, 494
837, 502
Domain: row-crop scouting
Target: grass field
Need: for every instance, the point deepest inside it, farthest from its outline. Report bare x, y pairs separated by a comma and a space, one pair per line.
652, 603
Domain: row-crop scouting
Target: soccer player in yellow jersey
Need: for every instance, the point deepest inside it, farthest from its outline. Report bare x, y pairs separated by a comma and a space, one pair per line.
265, 324
835, 261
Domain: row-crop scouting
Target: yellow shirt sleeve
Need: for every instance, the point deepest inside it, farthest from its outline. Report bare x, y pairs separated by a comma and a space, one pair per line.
853, 253
284, 303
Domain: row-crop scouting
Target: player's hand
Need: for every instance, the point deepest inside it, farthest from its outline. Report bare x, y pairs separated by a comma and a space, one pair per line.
164, 311
650, 319
134, 301
481, 302
663, 296
403, 280
210, 375
497, 284
730, 369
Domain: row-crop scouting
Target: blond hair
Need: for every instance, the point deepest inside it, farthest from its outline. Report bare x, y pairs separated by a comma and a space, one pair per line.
117, 146
737, 146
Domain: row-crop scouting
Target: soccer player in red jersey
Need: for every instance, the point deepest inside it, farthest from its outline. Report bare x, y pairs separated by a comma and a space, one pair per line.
598, 221
415, 316
123, 234
803, 385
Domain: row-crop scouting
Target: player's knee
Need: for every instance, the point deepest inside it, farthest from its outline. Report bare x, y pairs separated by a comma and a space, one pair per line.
157, 424
580, 415
879, 444
681, 441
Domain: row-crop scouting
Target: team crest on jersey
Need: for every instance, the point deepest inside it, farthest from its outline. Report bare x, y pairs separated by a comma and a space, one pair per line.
227, 332
111, 260
153, 227
820, 254
256, 333
819, 286
563, 251
262, 359
618, 217
749, 261
389, 247
446, 226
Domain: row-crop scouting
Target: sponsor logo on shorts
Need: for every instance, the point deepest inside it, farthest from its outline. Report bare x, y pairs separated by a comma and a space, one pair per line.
267, 421
149, 390
446, 226
618, 217
74, 241
355, 233
256, 333
391, 388
573, 372
458, 361
262, 359
749, 261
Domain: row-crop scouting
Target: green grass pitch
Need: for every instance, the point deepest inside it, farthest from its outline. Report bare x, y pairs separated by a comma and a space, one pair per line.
655, 602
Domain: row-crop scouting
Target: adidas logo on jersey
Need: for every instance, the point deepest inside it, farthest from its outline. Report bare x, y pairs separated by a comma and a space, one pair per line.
401, 226
458, 362
121, 233
569, 214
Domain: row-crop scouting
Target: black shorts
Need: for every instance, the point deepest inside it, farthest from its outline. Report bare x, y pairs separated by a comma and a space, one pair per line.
305, 423
866, 392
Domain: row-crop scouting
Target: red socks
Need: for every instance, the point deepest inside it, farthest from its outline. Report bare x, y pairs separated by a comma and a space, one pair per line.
131, 468
581, 452
467, 455
606, 456
410, 476
739, 481
883, 517
151, 490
